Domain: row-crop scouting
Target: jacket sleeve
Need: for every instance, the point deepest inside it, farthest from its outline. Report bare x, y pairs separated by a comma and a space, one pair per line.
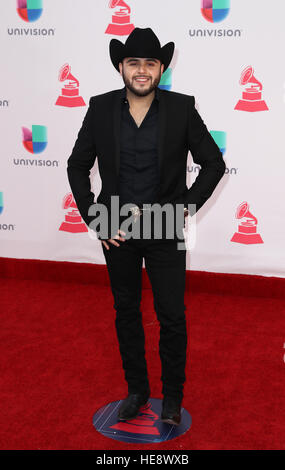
206, 153
80, 163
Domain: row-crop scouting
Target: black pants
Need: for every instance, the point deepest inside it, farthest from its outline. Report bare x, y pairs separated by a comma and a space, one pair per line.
165, 266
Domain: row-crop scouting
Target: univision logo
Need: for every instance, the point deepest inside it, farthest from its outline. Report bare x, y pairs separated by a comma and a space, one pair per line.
220, 139
4, 103
215, 10
30, 10
1, 202
4, 227
166, 80
35, 140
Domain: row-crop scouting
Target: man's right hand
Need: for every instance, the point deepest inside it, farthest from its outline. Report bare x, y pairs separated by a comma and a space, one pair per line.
112, 240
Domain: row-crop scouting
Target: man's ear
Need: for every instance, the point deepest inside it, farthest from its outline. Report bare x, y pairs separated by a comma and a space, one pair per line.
120, 67
162, 68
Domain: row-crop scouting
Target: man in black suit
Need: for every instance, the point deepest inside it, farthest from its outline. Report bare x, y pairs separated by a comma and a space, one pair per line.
141, 136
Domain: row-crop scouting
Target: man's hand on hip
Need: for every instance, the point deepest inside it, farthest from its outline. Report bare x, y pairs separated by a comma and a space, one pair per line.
112, 240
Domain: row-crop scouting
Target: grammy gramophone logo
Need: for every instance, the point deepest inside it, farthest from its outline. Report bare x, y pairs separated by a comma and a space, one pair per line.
70, 91
251, 96
73, 222
121, 22
144, 423
247, 228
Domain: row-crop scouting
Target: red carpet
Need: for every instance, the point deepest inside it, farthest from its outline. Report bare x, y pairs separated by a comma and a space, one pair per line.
60, 360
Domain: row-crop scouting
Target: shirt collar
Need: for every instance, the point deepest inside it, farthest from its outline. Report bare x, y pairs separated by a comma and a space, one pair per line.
124, 94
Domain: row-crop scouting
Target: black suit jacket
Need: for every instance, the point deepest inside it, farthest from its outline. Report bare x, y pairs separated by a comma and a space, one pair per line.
180, 129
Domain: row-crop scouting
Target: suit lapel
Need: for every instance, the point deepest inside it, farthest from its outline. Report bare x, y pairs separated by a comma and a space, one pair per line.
117, 126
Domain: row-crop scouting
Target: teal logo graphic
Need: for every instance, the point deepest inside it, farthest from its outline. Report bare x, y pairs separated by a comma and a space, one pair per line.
1, 202
166, 80
215, 10
29, 10
35, 140
220, 139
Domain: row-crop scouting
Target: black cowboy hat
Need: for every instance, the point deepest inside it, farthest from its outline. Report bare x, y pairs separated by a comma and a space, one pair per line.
141, 42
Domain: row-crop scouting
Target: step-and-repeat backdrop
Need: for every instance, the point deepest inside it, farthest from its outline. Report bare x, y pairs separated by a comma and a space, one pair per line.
228, 54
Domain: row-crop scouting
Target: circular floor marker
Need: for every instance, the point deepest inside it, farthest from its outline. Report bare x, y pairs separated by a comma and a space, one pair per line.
146, 428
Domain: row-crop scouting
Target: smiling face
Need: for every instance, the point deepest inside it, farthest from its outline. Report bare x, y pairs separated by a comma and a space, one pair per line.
141, 76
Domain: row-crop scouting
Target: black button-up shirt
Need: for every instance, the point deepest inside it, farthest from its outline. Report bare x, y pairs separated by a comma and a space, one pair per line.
138, 175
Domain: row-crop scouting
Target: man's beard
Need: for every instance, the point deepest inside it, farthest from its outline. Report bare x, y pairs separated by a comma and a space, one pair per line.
143, 91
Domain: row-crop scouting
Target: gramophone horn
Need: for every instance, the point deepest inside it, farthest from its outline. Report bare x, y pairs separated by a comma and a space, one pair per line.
247, 76
65, 74
243, 211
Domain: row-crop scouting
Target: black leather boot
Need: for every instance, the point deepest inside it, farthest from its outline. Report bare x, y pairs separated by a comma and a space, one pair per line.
130, 407
171, 410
